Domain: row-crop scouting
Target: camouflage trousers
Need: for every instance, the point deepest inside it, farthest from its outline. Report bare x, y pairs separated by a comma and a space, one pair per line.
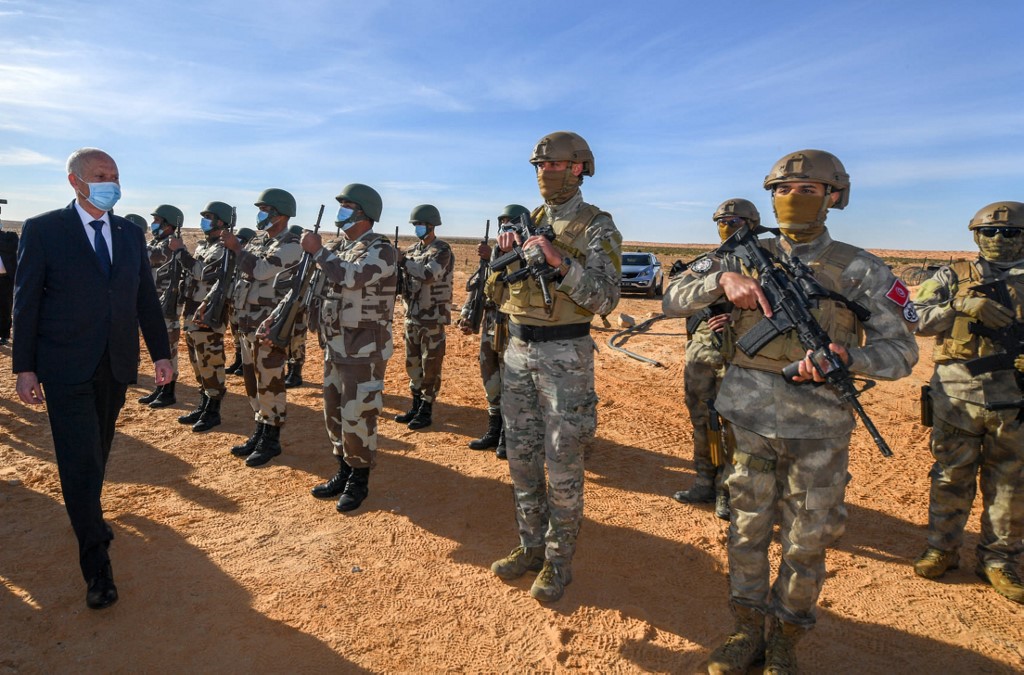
173, 335
806, 487
491, 369
550, 413
206, 354
424, 353
989, 443
700, 385
263, 372
297, 346
353, 400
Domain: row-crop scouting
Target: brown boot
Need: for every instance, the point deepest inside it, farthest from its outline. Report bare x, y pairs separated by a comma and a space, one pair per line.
743, 647
520, 561
933, 563
1004, 580
780, 650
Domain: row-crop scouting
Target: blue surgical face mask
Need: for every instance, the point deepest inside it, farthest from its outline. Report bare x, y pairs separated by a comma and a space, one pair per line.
262, 220
206, 225
154, 227
104, 195
345, 218
421, 231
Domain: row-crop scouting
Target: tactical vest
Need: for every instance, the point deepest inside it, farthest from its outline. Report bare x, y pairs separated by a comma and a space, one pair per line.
208, 254
524, 298
959, 342
372, 303
431, 301
840, 323
265, 292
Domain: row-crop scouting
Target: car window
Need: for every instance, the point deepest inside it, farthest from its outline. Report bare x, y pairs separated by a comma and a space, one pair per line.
636, 259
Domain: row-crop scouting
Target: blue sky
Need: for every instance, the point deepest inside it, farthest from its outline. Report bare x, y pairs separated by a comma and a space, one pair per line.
685, 104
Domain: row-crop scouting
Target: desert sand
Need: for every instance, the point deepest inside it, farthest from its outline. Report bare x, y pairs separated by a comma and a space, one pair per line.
222, 568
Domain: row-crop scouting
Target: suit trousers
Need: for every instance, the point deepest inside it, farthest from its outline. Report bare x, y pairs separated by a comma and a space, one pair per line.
6, 304
82, 418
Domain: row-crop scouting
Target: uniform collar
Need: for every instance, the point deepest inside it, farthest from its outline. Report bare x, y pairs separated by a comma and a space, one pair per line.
564, 211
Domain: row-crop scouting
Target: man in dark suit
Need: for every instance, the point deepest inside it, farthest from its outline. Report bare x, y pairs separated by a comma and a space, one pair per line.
82, 292
8, 265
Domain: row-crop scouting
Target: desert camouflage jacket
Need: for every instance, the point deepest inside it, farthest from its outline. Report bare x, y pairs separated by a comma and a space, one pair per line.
266, 266
201, 271
429, 270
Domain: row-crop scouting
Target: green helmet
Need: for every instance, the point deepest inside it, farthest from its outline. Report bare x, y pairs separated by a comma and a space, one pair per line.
245, 235
296, 229
816, 166
221, 210
999, 214
171, 214
282, 201
739, 208
513, 211
366, 197
138, 220
564, 146
426, 213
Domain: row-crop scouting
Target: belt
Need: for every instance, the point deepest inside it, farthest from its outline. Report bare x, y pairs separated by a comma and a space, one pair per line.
759, 464
548, 333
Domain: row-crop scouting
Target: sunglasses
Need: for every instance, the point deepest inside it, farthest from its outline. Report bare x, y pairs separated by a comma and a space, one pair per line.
1007, 232
731, 222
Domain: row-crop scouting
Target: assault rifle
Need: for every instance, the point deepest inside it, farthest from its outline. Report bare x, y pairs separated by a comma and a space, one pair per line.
533, 262
1010, 338
400, 284
694, 322
281, 329
476, 310
214, 313
169, 299
792, 291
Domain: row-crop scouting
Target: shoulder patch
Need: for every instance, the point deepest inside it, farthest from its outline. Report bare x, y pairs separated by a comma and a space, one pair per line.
899, 294
910, 313
702, 266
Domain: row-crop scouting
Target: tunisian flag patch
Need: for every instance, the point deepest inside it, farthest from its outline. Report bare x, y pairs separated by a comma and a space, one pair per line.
898, 293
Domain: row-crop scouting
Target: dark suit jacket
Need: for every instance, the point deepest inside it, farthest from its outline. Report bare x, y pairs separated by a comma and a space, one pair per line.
9, 251
67, 312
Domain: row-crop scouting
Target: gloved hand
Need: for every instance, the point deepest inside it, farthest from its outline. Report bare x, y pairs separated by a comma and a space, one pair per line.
988, 312
1018, 363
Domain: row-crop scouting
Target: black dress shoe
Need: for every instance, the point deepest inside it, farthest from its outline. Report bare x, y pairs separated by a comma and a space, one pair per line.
102, 591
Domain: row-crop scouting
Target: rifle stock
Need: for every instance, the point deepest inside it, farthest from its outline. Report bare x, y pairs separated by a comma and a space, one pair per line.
283, 326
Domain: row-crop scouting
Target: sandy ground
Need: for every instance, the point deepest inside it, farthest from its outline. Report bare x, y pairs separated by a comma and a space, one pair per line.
225, 568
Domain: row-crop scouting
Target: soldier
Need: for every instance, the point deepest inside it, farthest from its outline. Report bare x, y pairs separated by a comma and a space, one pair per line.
977, 419
548, 400
138, 220
205, 344
710, 343
790, 444
353, 316
428, 269
493, 336
266, 266
167, 220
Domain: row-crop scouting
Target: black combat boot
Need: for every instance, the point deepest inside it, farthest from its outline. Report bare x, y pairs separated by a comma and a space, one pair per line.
492, 437
336, 484
165, 397
356, 490
249, 446
267, 448
423, 416
500, 452
151, 396
417, 399
294, 377
210, 416
193, 416
236, 367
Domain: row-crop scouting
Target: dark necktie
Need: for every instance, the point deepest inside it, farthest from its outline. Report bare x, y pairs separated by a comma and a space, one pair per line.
100, 244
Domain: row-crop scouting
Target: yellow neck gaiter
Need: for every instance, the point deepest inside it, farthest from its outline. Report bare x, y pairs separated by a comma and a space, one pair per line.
558, 187
801, 217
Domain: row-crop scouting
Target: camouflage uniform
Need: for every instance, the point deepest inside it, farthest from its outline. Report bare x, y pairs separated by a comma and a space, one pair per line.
966, 438
428, 308
791, 443
702, 376
266, 267
491, 364
353, 316
160, 256
205, 345
548, 400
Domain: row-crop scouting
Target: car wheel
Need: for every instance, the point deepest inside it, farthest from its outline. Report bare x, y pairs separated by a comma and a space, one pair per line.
661, 287
651, 290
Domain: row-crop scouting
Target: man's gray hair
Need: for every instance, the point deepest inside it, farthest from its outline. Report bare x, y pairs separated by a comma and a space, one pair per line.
79, 158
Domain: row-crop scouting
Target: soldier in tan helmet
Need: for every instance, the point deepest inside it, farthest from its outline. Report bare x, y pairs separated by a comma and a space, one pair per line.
790, 444
978, 419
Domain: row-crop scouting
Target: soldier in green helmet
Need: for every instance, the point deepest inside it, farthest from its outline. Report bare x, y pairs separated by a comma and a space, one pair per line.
428, 267
978, 419
205, 343
139, 221
166, 222
492, 340
266, 266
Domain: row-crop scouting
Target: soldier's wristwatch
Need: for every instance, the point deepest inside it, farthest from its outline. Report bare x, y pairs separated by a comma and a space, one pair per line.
563, 269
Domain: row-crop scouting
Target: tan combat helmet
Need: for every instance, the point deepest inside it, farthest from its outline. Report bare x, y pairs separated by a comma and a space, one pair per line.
999, 214
739, 208
815, 166
564, 146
